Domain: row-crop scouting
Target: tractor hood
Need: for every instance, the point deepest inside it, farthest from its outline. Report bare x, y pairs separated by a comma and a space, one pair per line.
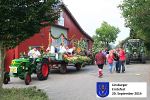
19, 61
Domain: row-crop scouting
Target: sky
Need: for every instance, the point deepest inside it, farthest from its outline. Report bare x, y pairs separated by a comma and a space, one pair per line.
91, 13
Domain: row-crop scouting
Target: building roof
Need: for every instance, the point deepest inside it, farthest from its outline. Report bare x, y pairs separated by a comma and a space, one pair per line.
75, 21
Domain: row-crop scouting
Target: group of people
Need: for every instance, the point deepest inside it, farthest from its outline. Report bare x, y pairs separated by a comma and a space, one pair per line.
66, 49
113, 58
34, 53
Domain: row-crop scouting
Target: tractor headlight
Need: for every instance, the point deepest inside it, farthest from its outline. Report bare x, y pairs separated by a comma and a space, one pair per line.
134, 53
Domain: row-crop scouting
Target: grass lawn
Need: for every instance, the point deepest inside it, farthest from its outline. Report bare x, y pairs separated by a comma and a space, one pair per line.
23, 94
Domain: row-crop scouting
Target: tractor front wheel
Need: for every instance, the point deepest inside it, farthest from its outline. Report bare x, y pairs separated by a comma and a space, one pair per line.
42, 71
127, 61
6, 78
27, 78
143, 60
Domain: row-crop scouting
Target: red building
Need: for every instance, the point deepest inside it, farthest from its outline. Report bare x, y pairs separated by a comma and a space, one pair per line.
66, 25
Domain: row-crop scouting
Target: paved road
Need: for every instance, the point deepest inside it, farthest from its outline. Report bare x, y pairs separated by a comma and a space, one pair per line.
82, 85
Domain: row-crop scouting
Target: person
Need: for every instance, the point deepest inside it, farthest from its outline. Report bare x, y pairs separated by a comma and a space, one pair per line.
62, 48
70, 50
110, 60
122, 59
33, 54
100, 60
116, 60
50, 49
105, 52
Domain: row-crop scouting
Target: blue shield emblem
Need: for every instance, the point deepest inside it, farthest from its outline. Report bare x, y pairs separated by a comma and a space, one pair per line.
102, 89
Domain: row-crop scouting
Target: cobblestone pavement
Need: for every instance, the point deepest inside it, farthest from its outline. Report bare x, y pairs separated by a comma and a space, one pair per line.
81, 85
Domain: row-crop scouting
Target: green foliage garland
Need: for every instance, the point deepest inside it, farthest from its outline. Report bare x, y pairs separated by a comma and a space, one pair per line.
62, 34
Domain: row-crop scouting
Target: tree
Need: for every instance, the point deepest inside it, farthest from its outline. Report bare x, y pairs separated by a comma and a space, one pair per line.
21, 19
137, 17
105, 35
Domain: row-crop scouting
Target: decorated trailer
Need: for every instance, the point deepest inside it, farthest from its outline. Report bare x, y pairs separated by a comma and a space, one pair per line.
64, 60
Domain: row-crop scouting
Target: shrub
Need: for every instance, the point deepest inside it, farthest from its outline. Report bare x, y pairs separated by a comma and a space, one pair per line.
23, 94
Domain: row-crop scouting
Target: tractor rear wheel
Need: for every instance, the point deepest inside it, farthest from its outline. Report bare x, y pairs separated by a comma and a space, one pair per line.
27, 78
6, 78
42, 70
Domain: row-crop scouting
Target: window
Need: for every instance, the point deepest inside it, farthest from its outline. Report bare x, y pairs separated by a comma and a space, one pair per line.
61, 19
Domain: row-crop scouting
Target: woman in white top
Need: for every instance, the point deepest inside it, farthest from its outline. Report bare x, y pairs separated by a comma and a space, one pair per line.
62, 48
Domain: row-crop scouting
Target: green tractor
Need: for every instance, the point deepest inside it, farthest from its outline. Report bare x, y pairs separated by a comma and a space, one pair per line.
135, 51
24, 67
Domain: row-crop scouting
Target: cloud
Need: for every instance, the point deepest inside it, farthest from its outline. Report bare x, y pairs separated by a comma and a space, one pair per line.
91, 13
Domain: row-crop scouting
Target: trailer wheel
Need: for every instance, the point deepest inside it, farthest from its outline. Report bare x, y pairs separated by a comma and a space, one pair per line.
78, 66
27, 78
42, 70
6, 78
63, 68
